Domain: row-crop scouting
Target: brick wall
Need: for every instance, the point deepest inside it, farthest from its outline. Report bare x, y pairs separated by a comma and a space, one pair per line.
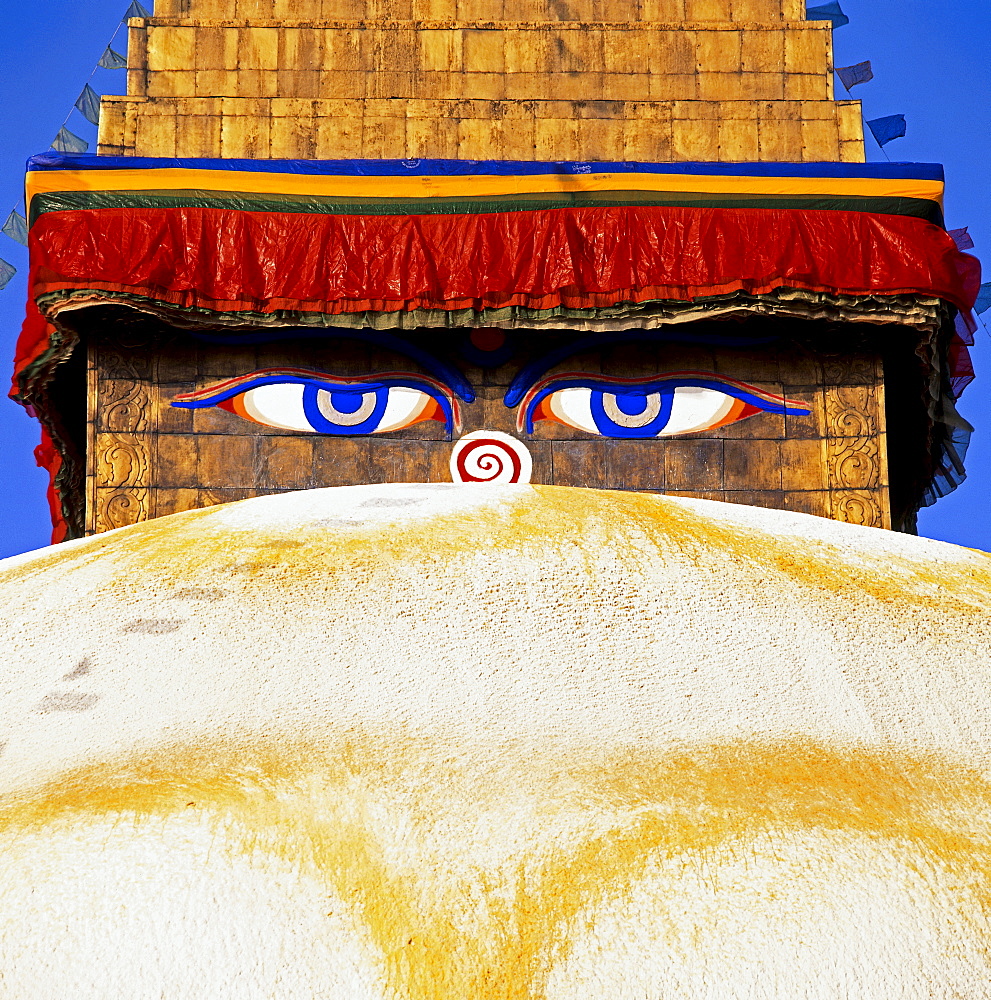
150, 458
662, 80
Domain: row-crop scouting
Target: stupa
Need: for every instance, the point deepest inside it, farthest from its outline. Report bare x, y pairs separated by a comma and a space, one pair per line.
635, 244
454, 727
422, 741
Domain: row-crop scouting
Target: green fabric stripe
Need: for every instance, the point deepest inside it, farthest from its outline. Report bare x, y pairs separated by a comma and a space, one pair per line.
67, 201
426, 319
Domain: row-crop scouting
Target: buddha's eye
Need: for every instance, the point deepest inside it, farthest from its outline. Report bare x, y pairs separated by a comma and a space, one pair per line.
663, 406
311, 402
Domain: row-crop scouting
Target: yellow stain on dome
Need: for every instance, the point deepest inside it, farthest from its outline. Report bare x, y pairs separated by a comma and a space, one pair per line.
549, 524
548, 520
494, 934
386, 821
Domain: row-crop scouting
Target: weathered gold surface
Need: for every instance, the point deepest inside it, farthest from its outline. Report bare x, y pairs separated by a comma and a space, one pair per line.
475, 128
150, 458
661, 80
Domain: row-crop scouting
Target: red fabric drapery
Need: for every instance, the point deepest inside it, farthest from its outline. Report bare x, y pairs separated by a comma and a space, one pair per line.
229, 260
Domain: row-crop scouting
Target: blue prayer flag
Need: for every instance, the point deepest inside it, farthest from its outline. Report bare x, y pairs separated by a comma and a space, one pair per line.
850, 76
962, 238
112, 60
16, 227
983, 303
888, 128
69, 142
88, 105
136, 10
828, 12
7, 271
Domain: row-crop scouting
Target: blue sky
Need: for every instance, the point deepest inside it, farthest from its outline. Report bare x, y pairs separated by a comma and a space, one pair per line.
930, 60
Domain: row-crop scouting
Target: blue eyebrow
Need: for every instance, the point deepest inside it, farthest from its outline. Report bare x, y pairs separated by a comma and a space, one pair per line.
447, 374
318, 380
658, 385
531, 372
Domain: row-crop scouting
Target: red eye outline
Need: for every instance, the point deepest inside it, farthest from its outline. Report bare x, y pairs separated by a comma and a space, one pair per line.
443, 405
749, 400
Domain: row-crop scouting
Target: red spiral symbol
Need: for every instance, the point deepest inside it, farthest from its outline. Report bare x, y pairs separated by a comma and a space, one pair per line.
495, 459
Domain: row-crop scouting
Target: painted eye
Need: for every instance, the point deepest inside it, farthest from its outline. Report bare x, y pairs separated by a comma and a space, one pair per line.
678, 403
335, 411
308, 402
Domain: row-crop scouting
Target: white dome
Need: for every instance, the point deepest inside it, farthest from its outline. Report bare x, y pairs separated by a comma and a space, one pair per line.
525, 743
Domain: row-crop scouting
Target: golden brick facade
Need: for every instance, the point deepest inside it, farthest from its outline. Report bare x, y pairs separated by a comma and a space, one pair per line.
148, 458
657, 80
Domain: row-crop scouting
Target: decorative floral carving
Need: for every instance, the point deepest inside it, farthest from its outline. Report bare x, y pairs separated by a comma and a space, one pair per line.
122, 460
125, 355
858, 507
851, 411
847, 368
121, 507
123, 405
853, 462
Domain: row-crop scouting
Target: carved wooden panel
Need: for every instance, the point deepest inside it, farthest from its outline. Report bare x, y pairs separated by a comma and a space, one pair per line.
856, 461
851, 411
124, 405
117, 508
122, 460
92, 409
864, 507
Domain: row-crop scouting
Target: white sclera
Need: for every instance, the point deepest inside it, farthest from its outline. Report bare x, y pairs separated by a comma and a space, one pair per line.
278, 405
696, 409
693, 409
403, 405
281, 405
574, 407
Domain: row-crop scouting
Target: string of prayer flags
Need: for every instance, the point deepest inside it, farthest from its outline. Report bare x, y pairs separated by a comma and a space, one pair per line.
88, 105
69, 142
828, 12
850, 76
887, 128
7, 271
16, 227
112, 60
983, 303
136, 10
962, 238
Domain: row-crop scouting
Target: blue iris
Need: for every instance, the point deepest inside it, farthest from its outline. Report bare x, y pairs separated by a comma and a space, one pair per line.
368, 400
346, 402
640, 406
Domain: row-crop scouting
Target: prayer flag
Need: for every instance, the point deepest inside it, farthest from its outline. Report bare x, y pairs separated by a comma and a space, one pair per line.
88, 105
888, 128
112, 60
828, 12
962, 238
136, 10
850, 76
16, 227
69, 142
983, 303
7, 271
